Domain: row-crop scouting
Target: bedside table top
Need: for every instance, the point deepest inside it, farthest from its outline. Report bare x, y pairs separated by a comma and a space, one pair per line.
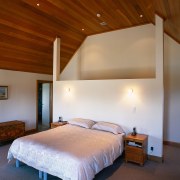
138, 137
59, 123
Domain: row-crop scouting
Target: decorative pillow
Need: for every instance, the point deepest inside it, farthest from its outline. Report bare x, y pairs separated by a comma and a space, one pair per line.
110, 127
86, 123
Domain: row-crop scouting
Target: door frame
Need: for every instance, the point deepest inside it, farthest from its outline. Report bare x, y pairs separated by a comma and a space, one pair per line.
51, 101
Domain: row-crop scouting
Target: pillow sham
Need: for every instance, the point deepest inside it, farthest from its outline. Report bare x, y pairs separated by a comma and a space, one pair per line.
109, 127
86, 123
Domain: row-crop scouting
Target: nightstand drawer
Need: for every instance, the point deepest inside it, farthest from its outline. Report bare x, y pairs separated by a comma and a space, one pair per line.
134, 157
136, 150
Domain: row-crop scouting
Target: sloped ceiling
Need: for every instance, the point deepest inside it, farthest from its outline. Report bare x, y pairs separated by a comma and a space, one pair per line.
29, 27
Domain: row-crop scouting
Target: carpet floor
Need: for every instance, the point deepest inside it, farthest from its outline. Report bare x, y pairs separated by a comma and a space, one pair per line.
169, 170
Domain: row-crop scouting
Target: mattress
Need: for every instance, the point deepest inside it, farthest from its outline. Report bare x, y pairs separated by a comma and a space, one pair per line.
68, 152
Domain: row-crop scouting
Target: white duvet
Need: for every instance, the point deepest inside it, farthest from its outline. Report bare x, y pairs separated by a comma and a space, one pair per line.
68, 152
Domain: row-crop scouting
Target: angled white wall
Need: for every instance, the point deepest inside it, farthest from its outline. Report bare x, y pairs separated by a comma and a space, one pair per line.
108, 100
72, 70
127, 53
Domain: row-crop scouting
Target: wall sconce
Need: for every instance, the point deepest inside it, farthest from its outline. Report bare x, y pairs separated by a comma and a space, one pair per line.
130, 92
68, 90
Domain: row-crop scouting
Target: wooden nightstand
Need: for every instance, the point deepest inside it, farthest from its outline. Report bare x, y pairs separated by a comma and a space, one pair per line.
56, 124
136, 148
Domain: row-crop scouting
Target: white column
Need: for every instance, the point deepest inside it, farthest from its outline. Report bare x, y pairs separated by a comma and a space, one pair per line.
56, 60
159, 40
159, 44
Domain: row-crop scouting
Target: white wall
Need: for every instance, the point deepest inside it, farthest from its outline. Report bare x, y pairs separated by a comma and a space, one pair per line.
108, 100
172, 90
127, 53
21, 103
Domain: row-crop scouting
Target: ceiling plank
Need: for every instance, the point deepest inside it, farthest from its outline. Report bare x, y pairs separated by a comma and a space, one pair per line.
18, 66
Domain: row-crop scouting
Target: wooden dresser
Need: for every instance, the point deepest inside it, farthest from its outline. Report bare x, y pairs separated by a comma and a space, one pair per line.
11, 130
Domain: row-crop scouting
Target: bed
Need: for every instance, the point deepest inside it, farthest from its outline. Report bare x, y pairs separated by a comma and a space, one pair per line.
68, 152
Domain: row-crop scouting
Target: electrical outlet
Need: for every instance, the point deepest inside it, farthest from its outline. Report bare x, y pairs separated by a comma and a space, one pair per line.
152, 148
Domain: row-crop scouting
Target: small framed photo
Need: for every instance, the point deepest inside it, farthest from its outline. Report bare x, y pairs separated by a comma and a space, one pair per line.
3, 92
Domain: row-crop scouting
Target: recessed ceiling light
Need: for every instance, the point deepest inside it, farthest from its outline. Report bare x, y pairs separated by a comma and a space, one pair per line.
103, 23
140, 15
98, 15
37, 4
82, 29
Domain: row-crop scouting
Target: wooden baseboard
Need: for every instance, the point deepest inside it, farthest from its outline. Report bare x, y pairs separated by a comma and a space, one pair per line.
156, 158
170, 143
31, 131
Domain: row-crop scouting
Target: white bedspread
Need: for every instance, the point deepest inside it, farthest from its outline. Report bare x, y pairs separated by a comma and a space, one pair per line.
68, 152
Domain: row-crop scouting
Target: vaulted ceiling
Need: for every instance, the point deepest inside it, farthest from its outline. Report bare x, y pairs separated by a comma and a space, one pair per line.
29, 27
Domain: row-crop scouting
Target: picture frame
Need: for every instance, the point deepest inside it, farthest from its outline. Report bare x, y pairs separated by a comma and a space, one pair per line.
3, 92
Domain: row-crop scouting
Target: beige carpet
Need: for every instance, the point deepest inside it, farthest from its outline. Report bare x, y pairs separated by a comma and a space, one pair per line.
169, 170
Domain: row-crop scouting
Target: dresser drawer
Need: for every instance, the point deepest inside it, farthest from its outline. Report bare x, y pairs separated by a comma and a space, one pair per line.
11, 130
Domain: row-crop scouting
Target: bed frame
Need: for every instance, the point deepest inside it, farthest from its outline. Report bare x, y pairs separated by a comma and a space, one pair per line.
42, 175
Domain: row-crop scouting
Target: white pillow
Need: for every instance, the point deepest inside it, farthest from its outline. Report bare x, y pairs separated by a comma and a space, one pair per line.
86, 123
110, 127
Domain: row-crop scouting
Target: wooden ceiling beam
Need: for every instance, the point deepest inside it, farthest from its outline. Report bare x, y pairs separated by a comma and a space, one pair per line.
14, 47
13, 32
21, 55
56, 16
15, 41
23, 26
79, 13
25, 67
41, 30
43, 62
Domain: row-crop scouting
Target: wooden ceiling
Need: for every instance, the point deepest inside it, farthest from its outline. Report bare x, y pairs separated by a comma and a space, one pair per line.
29, 27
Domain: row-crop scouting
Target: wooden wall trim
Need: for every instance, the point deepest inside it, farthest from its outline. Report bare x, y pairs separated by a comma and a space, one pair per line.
170, 143
156, 158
